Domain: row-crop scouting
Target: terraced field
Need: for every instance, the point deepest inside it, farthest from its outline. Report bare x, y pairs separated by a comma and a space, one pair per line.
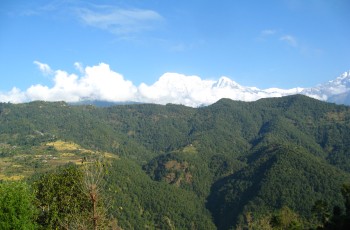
21, 162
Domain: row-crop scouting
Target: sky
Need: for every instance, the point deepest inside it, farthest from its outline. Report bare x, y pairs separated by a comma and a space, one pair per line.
74, 49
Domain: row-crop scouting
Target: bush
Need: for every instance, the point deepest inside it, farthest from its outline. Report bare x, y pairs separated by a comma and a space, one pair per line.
17, 210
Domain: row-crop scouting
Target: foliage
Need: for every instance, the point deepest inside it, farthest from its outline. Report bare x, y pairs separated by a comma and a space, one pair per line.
232, 157
284, 218
137, 202
61, 197
17, 209
277, 176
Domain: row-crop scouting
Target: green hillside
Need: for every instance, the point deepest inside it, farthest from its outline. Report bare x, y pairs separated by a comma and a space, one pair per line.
179, 167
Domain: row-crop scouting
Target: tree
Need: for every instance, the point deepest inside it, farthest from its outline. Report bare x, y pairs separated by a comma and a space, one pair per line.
61, 197
345, 190
72, 197
321, 213
17, 209
286, 219
93, 173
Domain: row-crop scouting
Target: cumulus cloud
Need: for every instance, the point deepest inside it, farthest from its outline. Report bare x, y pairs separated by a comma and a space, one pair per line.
194, 91
96, 83
118, 20
99, 82
13, 96
179, 89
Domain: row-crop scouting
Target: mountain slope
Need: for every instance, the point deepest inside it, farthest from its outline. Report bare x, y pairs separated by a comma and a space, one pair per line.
233, 156
141, 203
276, 176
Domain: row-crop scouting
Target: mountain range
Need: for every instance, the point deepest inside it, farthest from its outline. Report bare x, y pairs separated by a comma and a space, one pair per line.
337, 91
195, 92
193, 168
100, 83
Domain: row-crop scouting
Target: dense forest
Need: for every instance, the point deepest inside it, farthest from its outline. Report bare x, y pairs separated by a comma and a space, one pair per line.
277, 163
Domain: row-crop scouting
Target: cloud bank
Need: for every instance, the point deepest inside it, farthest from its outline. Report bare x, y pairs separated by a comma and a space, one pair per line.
95, 83
99, 82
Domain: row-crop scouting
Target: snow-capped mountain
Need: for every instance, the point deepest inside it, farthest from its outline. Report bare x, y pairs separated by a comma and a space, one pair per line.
227, 88
100, 83
194, 91
225, 82
337, 90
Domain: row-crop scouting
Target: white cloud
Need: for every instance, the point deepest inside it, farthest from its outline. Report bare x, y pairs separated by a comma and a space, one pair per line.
179, 89
194, 91
119, 21
96, 83
268, 32
79, 67
14, 96
273, 34
290, 40
44, 68
105, 84
99, 82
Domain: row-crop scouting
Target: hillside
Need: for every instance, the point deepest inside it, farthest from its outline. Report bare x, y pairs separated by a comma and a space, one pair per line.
228, 159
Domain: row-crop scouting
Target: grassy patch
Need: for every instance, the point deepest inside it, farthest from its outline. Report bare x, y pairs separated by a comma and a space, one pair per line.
24, 162
64, 146
191, 149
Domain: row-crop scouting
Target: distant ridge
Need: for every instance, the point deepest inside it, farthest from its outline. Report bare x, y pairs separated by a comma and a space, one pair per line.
99, 103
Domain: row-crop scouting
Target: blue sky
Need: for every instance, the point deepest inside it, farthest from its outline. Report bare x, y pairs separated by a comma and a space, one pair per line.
273, 43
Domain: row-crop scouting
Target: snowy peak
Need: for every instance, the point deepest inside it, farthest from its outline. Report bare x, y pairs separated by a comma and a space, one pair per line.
193, 91
225, 82
337, 90
100, 83
339, 85
343, 80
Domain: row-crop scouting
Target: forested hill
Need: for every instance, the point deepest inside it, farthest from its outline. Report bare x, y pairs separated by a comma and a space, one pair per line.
236, 158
